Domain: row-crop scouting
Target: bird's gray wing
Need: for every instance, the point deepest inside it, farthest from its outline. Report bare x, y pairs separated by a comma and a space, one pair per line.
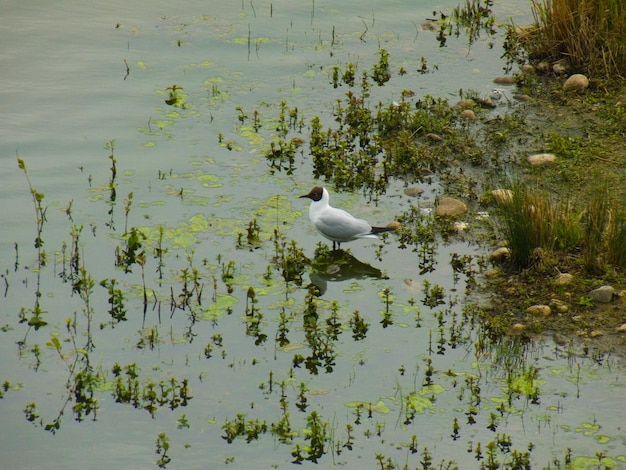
341, 225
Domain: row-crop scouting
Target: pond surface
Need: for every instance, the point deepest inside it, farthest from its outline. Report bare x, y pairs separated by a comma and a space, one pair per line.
179, 298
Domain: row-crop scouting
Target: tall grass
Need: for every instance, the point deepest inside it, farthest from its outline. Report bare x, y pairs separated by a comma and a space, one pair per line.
616, 237
527, 223
596, 234
591, 34
595, 222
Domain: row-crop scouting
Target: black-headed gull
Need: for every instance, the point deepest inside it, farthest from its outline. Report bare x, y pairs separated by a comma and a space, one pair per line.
336, 224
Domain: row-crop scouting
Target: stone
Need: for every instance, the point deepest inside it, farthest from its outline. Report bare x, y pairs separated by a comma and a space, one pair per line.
499, 253
434, 137
525, 31
394, 225
559, 305
450, 207
460, 227
596, 333
506, 80
492, 273
486, 103
563, 279
541, 159
517, 328
539, 310
522, 97
576, 82
468, 115
543, 67
528, 69
414, 191
603, 294
621, 328
561, 67
465, 104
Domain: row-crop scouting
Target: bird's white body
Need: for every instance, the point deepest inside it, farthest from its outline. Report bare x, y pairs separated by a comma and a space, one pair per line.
335, 224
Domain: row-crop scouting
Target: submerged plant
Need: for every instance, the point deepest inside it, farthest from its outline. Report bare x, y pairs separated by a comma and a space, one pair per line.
35, 319
162, 447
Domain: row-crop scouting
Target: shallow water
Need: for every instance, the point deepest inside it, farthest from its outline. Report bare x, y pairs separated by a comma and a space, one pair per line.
200, 173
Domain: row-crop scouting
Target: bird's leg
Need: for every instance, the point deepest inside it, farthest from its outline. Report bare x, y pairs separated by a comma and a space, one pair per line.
333, 245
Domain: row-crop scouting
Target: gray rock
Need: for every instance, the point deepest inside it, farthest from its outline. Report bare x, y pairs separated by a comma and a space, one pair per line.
603, 294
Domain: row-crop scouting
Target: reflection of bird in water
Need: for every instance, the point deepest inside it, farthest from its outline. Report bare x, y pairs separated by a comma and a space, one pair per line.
336, 224
339, 265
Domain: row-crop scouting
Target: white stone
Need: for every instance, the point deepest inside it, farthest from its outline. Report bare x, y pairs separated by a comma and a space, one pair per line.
541, 159
539, 310
564, 278
450, 207
499, 253
577, 82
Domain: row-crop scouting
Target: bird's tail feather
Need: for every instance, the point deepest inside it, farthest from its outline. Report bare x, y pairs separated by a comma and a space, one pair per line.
376, 230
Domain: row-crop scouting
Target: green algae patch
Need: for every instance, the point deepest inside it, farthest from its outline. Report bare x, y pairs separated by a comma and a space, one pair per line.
223, 305
434, 389
588, 429
200, 201
210, 181
205, 64
525, 385
354, 288
254, 138
587, 463
419, 404
180, 237
246, 40
271, 213
379, 407
161, 123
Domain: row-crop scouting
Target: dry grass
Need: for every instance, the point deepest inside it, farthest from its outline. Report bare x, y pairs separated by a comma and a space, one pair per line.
591, 34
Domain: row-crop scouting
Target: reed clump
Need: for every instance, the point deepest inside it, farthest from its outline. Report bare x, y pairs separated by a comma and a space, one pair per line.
590, 34
532, 221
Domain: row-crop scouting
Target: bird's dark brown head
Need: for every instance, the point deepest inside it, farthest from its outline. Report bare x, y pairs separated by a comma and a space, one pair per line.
315, 194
